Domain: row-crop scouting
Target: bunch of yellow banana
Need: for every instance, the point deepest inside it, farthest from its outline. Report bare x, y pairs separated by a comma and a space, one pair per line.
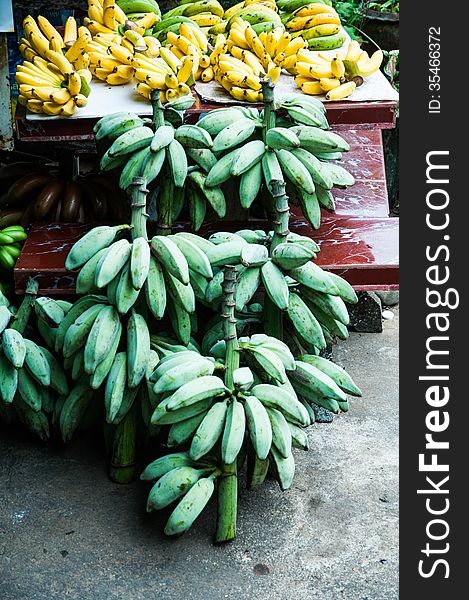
51, 85
191, 41
336, 76
205, 13
316, 22
108, 21
167, 73
261, 14
41, 36
244, 57
110, 62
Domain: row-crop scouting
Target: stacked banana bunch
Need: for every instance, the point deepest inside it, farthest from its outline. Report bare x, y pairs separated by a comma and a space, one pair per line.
262, 416
204, 13
30, 375
35, 194
299, 151
316, 22
314, 300
11, 241
336, 76
51, 81
167, 269
110, 62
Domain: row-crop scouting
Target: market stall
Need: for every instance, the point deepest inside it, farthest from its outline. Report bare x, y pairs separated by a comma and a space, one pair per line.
231, 206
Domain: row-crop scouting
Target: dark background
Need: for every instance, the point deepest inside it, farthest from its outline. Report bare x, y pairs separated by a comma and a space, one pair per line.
421, 133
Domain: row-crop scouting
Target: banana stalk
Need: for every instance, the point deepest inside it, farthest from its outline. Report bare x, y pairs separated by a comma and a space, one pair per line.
123, 451
138, 207
21, 318
228, 481
268, 96
273, 317
165, 200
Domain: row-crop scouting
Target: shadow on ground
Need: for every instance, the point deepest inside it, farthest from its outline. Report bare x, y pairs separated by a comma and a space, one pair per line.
67, 532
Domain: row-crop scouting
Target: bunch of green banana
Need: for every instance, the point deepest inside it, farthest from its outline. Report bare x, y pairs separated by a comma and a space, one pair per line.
261, 15
30, 375
171, 270
179, 478
313, 299
204, 13
297, 149
11, 241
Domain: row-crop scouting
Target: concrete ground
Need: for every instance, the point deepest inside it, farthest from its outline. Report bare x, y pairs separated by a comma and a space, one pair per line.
67, 532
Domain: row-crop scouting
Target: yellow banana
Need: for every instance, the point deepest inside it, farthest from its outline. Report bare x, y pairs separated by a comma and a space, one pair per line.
109, 17
70, 32
84, 31
207, 75
136, 39
238, 39
35, 106
96, 27
206, 19
44, 93
74, 83
353, 51
185, 70
120, 15
183, 89
295, 45
204, 61
328, 84
337, 68
60, 61
116, 79
201, 39
313, 88
187, 31
170, 59
51, 108
171, 80
85, 74
95, 11
369, 66
81, 100
343, 91
61, 96
50, 32
127, 44
76, 49
121, 54
274, 73
314, 71
68, 108
144, 90
153, 46
147, 21
314, 9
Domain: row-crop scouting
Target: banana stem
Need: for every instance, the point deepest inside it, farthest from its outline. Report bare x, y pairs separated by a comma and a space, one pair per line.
158, 109
21, 319
165, 205
228, 480
123, 450
227, 504
273, 317
138, 207
282, 210
268, 97
229, 325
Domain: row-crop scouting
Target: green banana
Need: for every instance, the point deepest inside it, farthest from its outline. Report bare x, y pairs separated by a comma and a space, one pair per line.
259, 427
138, 349
233, 433
275, 285
279, 398
190, 507
172, 486
209, 430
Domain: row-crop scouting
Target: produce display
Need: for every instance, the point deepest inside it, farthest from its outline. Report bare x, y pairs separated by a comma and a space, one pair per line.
131, 41
209, 347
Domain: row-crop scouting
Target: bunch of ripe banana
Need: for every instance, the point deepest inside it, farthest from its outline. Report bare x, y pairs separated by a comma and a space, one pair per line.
11, 241
167, 269
336, 76
167, 73
191, 41
313, 299
299, 153
30, 375
262, 15
316, 22
241, 60
118, 20
35, 194
50, 81
204, 13
110, 62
